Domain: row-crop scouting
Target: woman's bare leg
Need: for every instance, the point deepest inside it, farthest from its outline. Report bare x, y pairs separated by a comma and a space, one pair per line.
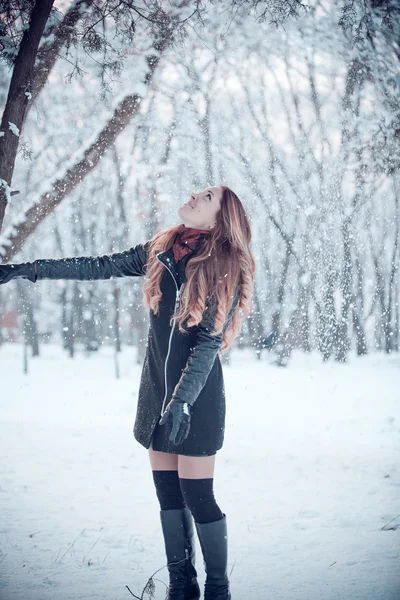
163, 461
189, 467
196, 467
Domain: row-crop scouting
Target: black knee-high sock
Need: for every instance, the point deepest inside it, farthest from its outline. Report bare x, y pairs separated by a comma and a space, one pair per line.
199, 497
168, 489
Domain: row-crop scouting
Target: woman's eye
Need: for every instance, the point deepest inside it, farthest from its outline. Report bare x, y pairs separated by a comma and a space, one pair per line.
209, 196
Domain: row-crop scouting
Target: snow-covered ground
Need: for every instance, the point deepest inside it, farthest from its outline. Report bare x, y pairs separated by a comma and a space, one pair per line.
308, 478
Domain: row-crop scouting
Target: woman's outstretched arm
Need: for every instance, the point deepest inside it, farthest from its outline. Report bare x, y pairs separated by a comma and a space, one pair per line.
129, 263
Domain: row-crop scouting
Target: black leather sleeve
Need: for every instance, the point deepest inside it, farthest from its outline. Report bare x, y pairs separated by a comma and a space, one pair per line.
202, 356
130, 263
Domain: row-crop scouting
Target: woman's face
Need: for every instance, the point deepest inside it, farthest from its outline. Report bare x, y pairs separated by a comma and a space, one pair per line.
201, 209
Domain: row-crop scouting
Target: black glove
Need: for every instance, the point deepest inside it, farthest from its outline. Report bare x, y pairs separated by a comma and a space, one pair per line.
180, 413
21, 271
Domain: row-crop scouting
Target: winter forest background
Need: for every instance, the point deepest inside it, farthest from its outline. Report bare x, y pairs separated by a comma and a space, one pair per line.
112, 113
294, 107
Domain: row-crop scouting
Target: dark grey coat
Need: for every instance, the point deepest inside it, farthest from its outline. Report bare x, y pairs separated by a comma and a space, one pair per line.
186, 364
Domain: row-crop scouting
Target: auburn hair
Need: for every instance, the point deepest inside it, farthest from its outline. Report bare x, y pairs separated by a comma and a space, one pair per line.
223, 261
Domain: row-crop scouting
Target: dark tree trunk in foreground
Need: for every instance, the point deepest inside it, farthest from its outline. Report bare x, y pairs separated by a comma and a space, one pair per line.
18, 97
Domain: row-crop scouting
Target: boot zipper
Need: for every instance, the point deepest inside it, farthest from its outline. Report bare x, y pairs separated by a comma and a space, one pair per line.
177, 299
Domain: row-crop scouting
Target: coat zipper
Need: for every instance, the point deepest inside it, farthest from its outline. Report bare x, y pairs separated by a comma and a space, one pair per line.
177, 298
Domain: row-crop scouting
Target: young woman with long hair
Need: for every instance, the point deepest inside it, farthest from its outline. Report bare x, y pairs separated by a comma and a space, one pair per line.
198, 288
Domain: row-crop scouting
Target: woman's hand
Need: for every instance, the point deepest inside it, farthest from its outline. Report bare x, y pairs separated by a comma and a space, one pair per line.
180, 413
5, 273
22, 271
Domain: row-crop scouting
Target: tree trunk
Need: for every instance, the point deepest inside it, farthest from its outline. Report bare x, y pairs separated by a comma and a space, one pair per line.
327, 324
18, 96
358, 311
30, 328
342, 339
117, 338
256, 322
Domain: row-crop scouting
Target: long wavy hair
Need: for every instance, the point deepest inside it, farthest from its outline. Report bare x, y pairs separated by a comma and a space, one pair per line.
223, 261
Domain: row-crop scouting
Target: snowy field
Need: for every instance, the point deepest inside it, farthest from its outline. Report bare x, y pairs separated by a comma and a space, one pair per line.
309, 478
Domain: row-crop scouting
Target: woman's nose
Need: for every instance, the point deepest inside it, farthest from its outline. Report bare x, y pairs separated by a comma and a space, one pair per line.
193, 196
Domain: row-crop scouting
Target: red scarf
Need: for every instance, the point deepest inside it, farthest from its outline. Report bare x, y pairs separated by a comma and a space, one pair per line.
186, 241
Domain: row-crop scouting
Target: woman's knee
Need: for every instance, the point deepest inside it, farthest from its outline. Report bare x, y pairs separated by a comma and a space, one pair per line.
196, 477
198, 495
168, 489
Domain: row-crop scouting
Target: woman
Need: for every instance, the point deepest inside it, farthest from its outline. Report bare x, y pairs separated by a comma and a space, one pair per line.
199, 284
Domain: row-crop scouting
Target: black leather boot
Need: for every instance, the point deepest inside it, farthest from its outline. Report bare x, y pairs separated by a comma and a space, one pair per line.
177, 527
214, 545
